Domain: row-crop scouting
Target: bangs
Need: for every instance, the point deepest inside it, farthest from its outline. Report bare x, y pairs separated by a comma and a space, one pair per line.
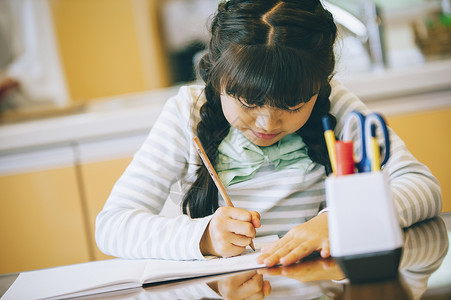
264, 75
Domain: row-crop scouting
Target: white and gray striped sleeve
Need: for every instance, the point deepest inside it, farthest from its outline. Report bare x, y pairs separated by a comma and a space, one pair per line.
416, 192
129, 225
424, 248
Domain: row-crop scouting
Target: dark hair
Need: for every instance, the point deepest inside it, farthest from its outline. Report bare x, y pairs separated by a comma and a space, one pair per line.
272, 52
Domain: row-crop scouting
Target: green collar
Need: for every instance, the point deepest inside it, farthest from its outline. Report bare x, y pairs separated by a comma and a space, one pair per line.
238, 159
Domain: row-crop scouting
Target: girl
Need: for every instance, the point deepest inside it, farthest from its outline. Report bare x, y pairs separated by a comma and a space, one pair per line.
268, 81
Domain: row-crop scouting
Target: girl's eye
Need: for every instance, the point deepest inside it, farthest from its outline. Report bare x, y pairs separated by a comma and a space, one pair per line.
293, 111
247, 106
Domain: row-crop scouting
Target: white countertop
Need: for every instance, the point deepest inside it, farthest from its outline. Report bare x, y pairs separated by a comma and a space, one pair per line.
109, 117
390, 84
389, 92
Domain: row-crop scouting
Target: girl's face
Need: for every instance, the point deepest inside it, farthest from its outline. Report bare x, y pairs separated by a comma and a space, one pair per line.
265, 125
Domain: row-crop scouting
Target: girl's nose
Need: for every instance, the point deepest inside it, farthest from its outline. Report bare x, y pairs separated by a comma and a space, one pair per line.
267, 119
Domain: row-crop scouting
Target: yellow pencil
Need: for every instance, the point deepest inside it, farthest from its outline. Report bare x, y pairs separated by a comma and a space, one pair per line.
376, 156
330, 142
214, 176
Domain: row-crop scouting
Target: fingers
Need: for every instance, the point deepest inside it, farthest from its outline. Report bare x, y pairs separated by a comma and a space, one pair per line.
238, 240
277, 271
237, 213
255, 219
268, 250
241, 215
299, 242
249, 285
231, 230
252, 286
227, 244
291, 256
325, 249
287, 254
273, 246
236, 220
266, 288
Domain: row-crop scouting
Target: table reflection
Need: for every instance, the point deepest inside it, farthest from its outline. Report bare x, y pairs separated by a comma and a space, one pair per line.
425, 246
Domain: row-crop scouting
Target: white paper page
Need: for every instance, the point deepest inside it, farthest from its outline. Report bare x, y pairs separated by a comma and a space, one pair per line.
60, 281
115, 274
164, 270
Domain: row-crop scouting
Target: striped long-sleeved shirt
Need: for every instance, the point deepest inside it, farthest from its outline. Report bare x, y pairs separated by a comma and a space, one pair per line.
130, 226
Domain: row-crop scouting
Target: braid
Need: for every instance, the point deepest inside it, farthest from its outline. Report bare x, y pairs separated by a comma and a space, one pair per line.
313, 133
202, 198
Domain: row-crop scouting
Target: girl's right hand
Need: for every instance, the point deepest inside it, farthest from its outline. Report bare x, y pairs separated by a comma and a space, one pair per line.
248, 285
229, 232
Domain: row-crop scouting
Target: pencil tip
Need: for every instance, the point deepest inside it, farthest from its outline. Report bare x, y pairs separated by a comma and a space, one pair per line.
252, 246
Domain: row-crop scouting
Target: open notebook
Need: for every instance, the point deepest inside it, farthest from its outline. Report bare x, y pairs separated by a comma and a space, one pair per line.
118, 274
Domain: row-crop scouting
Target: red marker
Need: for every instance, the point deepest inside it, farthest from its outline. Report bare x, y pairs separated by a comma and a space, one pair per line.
344, 152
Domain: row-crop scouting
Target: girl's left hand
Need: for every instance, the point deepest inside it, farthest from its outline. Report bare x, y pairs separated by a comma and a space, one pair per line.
308, 270
298, 243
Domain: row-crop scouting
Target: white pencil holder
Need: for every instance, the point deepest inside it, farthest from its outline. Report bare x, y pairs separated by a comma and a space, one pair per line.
364, 232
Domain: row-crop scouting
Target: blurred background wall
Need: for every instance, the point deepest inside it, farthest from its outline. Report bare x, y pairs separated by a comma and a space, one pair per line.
109, 47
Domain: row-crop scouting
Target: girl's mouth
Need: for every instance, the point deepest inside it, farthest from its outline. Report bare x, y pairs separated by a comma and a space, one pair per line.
265, 136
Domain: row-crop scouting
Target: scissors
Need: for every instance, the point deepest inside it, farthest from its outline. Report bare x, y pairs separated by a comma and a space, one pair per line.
364, 126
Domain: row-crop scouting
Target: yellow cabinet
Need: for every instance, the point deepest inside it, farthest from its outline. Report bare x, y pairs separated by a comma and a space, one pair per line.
41, 218
427, 136
98, 180
50, 199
